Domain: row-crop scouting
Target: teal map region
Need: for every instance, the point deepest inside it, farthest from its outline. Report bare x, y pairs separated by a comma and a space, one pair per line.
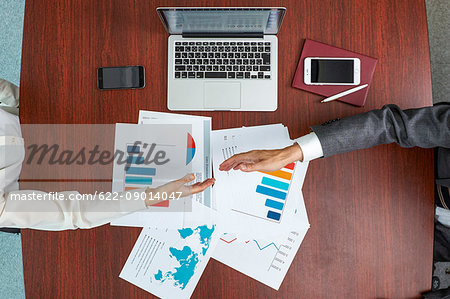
197, 242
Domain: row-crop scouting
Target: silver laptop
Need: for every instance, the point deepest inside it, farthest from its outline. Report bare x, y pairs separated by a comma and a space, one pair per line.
222, 58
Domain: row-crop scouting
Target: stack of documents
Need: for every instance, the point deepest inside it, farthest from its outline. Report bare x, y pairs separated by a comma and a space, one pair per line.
253, 222
262, 213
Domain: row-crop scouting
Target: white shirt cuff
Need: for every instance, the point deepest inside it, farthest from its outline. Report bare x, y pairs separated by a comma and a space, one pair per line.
311, 147
443, 216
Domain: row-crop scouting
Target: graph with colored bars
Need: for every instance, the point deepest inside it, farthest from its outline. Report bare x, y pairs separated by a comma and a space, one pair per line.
271, 188
137, 174
274, 187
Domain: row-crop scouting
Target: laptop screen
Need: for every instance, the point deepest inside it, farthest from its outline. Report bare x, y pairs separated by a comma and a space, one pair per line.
222, 20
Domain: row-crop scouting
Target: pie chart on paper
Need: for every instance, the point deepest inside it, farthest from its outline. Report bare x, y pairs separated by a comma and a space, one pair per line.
190, 152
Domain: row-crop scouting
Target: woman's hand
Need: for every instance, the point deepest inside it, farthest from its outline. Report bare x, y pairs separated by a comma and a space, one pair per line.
263, 160
175, 187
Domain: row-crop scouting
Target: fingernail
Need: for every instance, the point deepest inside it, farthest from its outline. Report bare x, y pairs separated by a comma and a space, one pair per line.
243, 167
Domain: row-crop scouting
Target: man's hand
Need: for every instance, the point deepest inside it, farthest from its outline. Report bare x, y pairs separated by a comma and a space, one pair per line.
263, 160
178, 186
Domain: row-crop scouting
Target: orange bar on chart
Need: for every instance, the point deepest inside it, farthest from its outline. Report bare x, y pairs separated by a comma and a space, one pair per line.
280, 173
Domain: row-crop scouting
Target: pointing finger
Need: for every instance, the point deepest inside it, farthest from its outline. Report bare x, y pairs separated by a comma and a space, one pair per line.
237, 159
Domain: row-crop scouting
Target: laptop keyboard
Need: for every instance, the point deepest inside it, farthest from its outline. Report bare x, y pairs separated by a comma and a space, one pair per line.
231, 60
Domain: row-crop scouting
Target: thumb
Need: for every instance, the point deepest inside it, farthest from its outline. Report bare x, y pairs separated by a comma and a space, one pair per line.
247, 167
187, 178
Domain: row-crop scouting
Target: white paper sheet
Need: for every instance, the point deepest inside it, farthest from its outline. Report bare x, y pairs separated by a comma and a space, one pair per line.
195, 159
248, 207
201, 132
169, 263
260, 249
266, 260
167, 138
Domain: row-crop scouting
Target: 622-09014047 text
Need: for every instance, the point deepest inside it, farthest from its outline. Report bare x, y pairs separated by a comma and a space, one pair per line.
52, 196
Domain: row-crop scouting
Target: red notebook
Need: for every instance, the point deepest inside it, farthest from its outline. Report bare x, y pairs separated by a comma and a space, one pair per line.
315, 49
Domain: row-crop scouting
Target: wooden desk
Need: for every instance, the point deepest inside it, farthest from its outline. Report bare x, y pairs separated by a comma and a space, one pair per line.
371, 211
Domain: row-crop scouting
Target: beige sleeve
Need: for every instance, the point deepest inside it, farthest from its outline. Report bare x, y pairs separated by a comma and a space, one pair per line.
65, 210
9, 97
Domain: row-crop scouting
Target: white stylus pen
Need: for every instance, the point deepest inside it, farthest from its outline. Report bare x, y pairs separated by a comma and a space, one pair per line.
344, 93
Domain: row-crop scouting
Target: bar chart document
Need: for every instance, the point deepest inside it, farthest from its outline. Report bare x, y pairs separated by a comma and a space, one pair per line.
256, 203
264, 215
151, 155
198, 145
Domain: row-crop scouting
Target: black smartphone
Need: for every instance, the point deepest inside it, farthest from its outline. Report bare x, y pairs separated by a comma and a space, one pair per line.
122, 77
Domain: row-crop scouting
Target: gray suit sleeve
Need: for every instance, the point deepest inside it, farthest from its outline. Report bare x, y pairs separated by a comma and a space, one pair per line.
424, 127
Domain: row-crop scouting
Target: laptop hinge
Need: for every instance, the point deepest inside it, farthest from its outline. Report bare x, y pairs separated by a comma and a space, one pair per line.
223, 35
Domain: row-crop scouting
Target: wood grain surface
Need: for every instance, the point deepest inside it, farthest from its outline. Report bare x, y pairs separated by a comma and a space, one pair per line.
371, 211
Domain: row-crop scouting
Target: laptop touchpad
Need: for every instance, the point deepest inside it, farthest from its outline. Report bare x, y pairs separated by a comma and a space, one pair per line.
222, 95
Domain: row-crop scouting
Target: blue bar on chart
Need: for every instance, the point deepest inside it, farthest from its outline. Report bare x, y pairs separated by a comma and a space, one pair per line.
273, 215
274, 204
141, 170
138, 180
271, 192
135, 160
275, 183
133, 149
